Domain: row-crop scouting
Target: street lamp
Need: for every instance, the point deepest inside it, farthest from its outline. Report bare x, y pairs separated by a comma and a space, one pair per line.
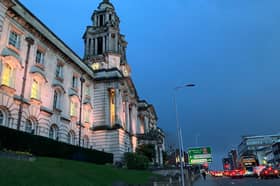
179, 133
82, 79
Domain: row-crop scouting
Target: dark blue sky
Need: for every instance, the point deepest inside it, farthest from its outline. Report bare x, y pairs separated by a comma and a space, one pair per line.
229, 49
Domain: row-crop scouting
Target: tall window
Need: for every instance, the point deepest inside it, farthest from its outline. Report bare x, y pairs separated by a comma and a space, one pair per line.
74, 82
14, 39
73, 108
59, 71
2, 118
56, 99
87, 91
28, 126
85, 142
40, 57
7, 75
87, 115
71, 137
53, 133
101, 20
35, 91
99, 45
112, 105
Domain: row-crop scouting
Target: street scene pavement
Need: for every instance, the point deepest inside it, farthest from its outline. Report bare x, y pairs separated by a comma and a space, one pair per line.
212, 181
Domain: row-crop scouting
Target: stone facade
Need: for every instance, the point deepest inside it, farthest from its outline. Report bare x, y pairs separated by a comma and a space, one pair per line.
48, 90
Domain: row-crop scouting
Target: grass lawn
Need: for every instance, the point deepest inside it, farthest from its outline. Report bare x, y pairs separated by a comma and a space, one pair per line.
58, 172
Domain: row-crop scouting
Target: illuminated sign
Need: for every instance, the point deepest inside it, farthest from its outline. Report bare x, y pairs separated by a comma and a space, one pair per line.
199, 155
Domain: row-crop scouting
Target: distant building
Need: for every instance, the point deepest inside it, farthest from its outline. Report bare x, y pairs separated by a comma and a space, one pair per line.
41, 83
233, 156
260, 146
276, 153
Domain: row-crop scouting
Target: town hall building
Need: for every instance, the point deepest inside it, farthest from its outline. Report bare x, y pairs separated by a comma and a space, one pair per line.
46, 89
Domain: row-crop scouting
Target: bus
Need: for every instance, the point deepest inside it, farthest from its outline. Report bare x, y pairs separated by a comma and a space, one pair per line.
248, 163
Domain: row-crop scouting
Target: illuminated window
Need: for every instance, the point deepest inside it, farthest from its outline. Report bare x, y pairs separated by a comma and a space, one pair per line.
40, 57
73, 108
112, 106
35, 90
95, 66
14, 39
59, 71
7, 75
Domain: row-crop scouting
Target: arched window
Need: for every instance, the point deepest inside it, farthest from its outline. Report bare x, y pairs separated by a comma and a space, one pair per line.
53, 133
2, 118
28, 126
71, 137
85, 142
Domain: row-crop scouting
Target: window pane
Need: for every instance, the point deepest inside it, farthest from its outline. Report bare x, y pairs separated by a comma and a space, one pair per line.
1, 118
39, 57
28, 126
7, 75
35, 90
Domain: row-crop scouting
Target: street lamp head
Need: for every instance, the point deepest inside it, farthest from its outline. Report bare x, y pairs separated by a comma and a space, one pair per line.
189, 85
82, 79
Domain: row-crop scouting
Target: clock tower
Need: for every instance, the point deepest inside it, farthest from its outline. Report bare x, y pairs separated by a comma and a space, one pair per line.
105, 46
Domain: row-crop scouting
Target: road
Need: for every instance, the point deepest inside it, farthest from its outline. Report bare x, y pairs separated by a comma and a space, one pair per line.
210, 181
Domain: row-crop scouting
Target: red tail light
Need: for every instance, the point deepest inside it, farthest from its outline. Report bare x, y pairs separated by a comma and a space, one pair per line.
276, 171
266, 172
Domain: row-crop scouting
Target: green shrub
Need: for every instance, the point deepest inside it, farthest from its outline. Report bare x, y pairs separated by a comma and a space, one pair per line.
136, 161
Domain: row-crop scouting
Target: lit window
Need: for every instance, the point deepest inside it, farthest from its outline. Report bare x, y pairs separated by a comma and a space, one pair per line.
14, 39
73, 108
35, 91
112, 106
40, 57
75, 82
7, 75
59, 71
95, 66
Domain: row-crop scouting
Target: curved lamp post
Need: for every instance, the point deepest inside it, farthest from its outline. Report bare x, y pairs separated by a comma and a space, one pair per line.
179, 132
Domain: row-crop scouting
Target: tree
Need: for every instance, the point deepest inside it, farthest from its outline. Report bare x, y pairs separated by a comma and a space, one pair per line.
147, 150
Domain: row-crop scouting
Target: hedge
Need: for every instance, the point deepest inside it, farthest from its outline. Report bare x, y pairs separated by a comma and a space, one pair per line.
41, 146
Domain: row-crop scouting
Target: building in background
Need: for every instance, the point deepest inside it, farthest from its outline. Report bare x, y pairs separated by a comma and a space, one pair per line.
259, 146
42, 82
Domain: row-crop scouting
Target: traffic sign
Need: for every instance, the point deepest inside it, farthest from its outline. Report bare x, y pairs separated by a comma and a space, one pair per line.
199, 155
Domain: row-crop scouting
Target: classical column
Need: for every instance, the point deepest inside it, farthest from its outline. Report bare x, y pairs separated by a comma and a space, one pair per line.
92, 47
127, 115
146, 122
117, 106
160, 156
156, 154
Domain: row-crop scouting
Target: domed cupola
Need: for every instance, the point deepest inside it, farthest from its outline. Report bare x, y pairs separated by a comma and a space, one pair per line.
105, 4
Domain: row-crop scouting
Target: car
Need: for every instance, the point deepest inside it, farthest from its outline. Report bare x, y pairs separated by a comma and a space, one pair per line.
226, 172
269, 172
216, 173
236, 173
257, 170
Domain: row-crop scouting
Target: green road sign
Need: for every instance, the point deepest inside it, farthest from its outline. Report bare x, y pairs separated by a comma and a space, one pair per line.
199, 155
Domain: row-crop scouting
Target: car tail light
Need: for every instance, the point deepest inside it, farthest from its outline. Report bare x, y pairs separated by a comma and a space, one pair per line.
266, 172
276, 171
